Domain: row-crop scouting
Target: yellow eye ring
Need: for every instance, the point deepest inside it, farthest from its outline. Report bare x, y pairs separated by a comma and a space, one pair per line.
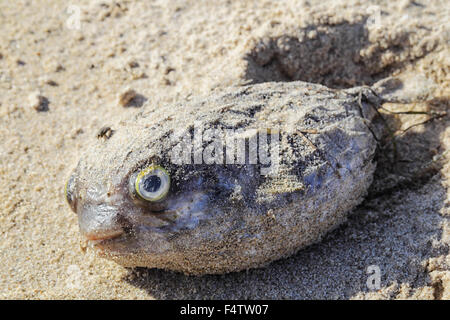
152, 183
65, 190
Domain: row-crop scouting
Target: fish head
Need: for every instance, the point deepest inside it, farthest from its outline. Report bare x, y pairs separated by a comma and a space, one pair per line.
131, 197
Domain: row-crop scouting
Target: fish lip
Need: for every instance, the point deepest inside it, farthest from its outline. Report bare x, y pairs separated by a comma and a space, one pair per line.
99, 238
99, 244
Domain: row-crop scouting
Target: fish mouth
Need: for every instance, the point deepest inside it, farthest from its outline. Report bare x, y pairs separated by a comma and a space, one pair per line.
105, 244
140, 228
98, 241
101, 221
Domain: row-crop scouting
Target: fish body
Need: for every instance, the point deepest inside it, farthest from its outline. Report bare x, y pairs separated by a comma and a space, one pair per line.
305, 160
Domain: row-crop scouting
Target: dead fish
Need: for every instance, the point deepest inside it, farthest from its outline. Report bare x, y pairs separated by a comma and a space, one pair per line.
167, 190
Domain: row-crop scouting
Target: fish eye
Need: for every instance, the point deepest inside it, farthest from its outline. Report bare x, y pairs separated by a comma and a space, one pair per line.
152, 183
69, 192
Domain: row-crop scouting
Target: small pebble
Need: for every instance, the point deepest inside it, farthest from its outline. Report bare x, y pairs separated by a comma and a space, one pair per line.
133, 64
52, 83
127, 97
105, 132
38, 102
59, 68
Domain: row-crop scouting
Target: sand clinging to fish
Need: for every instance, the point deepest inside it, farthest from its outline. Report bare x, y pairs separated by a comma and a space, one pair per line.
234, 181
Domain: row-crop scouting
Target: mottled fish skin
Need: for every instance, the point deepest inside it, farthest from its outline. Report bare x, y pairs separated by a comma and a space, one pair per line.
220, 218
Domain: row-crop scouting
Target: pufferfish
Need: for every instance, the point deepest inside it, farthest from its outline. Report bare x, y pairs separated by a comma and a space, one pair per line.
205, 212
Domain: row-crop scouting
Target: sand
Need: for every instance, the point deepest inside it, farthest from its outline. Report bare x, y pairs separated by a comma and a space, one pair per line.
63, 68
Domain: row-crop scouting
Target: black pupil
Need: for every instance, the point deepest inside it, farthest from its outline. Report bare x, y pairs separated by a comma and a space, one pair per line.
152, 183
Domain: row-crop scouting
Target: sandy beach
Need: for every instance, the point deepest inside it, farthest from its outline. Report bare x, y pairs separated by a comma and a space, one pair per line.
65, 65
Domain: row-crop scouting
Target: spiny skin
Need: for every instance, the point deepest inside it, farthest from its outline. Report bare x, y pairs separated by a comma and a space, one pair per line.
220, 218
